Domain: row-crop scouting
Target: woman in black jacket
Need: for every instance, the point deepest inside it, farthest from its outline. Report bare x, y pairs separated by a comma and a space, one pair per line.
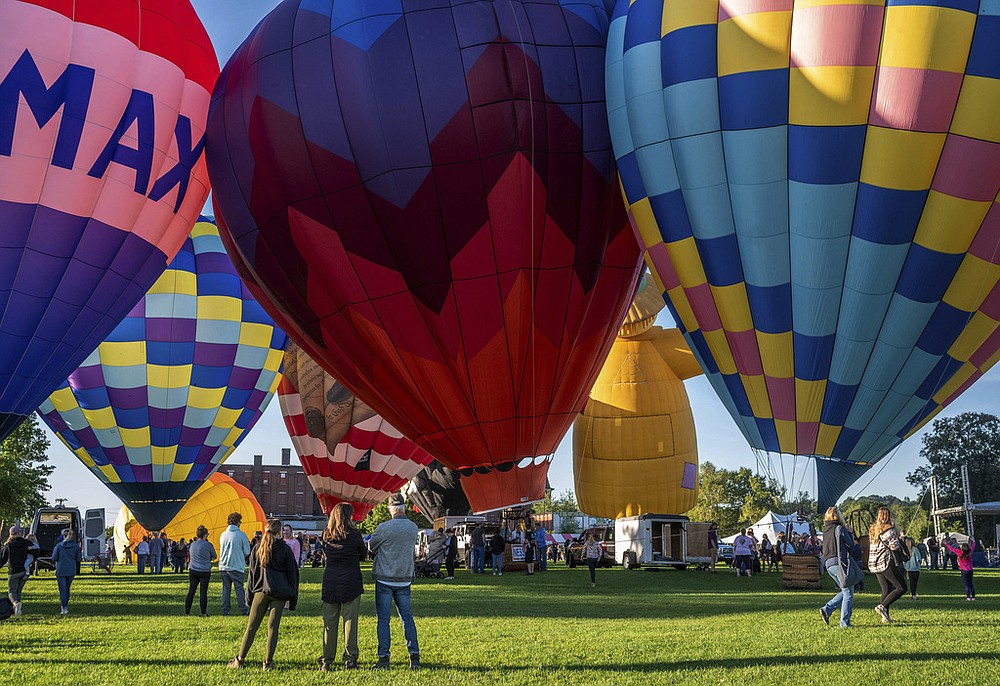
273, 581
14, 554
344, 548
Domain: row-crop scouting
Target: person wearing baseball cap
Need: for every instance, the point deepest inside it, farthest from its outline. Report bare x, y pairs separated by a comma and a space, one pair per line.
14, 554
393, 543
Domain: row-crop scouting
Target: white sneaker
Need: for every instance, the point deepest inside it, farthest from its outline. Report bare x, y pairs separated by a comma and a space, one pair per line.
17, 609
63, 611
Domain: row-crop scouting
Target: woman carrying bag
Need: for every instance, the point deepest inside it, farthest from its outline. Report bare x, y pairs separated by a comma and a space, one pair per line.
845, 572
273, 581
885, 559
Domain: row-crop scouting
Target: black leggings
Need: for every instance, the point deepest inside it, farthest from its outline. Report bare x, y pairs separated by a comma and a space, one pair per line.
914, 577
970, 590
449, 565
893, 585
592, 563
196, 579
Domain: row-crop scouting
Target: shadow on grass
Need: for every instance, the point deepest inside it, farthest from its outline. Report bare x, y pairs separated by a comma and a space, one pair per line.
641, 667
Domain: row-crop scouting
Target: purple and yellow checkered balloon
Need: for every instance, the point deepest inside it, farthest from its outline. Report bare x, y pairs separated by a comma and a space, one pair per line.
815, 182
177, 385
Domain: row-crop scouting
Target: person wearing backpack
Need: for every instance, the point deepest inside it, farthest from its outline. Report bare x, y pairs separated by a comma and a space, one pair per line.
497, 545
838, 543
14, 554
272, 582
67, 557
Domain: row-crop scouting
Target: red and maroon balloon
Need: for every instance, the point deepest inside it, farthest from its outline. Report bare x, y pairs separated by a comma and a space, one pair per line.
427, 196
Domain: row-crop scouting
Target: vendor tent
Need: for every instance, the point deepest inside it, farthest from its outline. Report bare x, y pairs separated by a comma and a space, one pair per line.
772, 524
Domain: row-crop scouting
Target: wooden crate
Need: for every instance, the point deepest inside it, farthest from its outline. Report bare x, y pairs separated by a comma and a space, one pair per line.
801, 571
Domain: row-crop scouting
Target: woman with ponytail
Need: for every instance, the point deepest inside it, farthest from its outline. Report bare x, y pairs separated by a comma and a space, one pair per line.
272, 583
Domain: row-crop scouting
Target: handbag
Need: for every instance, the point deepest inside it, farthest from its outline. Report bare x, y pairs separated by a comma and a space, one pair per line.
853, 575
901, 554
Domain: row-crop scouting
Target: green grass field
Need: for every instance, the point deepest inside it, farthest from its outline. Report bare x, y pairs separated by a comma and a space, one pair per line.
636, 627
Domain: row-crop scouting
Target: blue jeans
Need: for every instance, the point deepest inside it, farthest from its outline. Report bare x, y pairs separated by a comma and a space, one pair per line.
543, 558
844, 600
64, 583
385, 596
142, 563
478, 559
233, 579
497, 563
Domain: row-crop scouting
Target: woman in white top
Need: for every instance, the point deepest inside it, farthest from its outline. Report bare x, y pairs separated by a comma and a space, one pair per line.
592, 552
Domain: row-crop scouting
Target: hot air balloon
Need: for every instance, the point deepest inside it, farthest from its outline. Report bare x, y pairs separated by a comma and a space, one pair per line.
210, 506
101, 174
815, 184
634, 447
428, 199
176, 386
436, 491
349, 453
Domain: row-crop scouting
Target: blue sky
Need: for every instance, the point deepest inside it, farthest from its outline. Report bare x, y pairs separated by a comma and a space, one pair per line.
719, 441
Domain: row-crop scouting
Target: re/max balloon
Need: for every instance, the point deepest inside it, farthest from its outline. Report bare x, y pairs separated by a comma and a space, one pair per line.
176, 386
103, 106
427, 195
348, 451
816, 186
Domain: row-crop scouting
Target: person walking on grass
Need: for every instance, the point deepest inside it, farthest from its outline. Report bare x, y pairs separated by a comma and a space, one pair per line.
142, 554
743, 553
478, 539
838, 542
912, 566
15, 554
886, 546
234, 550
529, 553
344, 549
200, 570
497, 546
392, 544
67, 557
713, 546
542, 545
592, 553
964, 555
450, 553
273, 581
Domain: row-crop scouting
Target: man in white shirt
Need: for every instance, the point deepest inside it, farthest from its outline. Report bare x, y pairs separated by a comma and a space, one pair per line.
234, 550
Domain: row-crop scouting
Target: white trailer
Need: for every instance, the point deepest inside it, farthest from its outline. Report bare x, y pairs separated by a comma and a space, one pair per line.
655, 540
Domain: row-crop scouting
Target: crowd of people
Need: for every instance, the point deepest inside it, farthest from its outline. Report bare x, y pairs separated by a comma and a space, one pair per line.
444, 547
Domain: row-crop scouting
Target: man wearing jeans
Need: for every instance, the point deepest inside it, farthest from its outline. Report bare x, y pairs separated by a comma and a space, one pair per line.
234, 549
541, 542
392, 545
479, 549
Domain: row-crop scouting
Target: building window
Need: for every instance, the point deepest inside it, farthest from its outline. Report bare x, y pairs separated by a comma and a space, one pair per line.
231, 474
283, 475
265, 481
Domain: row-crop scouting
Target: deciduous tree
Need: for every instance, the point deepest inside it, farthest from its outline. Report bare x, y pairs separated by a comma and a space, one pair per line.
24, 471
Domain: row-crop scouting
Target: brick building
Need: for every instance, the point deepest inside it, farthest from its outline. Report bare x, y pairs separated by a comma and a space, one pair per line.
282, 490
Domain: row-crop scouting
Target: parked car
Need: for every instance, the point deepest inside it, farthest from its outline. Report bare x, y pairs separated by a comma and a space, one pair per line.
606, 536
726, 553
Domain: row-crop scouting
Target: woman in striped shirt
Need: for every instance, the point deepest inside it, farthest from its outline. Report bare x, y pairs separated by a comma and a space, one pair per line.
885, 546
592, 553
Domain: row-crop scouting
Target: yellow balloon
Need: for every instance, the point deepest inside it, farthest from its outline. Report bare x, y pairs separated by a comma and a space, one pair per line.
634, 445
210, 506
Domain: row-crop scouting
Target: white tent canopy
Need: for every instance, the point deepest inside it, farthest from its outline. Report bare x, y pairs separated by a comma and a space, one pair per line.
773, 523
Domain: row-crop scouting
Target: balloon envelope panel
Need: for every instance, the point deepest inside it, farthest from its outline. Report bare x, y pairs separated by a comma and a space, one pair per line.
428, 195
210, 507
101, 173
815, 186
176, 387
436, 491
333, 431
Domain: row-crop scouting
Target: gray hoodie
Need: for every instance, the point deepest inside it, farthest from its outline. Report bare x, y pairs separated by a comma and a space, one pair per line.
393, 543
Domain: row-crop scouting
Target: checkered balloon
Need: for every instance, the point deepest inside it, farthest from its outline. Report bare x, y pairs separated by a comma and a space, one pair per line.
177, 385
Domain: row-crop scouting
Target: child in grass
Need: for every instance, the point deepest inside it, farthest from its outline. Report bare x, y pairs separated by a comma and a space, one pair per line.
912, 566
965, 566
